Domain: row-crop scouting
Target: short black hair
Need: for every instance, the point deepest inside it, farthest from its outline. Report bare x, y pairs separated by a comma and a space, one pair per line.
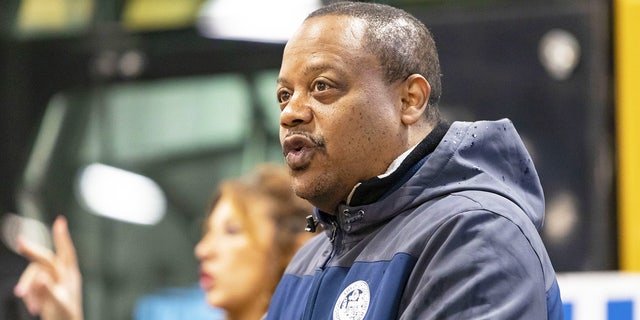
402, 43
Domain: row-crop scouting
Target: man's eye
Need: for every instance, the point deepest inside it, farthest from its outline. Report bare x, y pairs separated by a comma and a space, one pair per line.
321, 86
283, 96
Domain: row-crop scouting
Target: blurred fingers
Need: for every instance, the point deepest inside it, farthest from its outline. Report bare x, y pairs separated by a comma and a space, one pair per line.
35, 287
64, 244
38, 254
26, 279
33, 304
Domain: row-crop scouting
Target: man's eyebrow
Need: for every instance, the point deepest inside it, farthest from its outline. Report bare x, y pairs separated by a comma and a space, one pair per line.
317, 68
310, 69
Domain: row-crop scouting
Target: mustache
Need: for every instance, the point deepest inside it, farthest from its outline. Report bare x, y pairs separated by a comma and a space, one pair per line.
317, 140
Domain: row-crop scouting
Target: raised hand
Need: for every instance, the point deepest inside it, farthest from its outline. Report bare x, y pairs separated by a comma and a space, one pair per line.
51, 286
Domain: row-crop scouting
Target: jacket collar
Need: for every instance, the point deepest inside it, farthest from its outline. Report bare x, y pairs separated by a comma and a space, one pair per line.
370, 191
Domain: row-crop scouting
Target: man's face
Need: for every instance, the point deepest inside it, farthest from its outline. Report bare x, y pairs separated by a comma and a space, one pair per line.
340, 120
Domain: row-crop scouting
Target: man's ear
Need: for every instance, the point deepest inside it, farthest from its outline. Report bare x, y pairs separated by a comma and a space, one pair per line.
415, 98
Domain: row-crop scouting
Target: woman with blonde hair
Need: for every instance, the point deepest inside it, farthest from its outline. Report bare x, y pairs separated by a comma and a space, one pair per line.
253, 227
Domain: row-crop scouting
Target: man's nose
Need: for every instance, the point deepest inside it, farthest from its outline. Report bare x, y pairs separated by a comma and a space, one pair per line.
296, 112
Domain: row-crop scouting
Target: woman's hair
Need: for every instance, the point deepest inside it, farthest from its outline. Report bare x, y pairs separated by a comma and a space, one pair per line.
268, 189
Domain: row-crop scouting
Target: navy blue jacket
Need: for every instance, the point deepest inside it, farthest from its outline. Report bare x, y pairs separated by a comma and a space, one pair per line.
456, 237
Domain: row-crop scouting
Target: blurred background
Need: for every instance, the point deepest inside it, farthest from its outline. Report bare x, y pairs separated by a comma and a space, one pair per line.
124, 115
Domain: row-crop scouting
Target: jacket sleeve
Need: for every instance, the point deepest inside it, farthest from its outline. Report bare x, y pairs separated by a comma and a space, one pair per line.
477, 265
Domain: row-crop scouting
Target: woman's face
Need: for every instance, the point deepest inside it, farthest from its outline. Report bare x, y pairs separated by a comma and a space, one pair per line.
234, 261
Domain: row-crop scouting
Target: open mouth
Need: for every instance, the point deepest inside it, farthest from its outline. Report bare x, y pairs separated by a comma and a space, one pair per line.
298, 150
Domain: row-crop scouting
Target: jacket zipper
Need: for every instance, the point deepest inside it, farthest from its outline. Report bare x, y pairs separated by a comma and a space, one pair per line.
317, 279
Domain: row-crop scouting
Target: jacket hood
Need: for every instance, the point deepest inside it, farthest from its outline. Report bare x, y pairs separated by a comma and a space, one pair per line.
487, 156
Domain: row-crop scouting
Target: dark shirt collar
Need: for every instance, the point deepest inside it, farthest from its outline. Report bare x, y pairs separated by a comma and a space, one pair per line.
373, 189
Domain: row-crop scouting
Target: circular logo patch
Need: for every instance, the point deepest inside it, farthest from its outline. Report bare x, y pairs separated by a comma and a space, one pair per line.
353, 302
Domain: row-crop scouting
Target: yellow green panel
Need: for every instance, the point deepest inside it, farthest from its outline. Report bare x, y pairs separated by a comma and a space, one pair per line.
160, 14
53, 16
627, 70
